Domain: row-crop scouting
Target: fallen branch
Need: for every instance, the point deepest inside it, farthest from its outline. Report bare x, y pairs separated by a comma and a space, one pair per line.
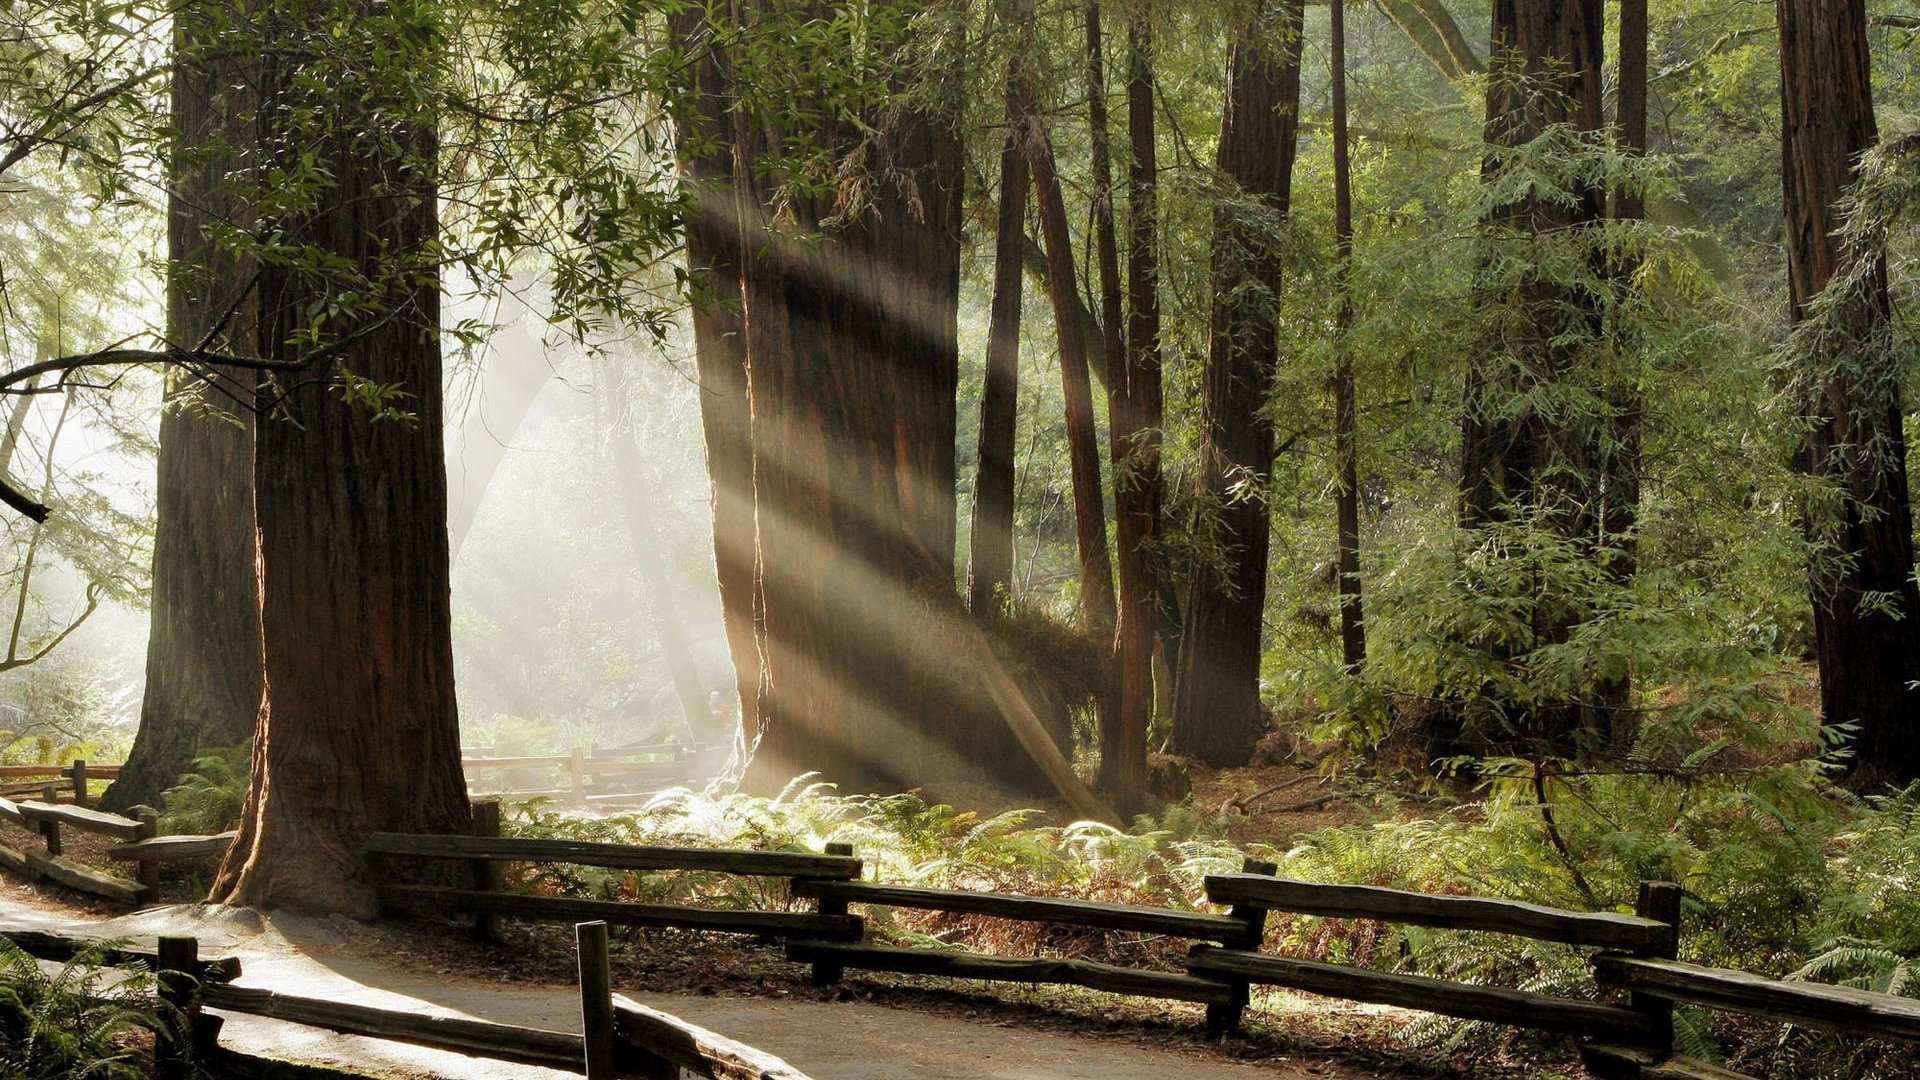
1239, 805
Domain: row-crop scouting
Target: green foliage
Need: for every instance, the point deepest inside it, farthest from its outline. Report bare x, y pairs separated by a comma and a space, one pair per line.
208, 799
86, 1021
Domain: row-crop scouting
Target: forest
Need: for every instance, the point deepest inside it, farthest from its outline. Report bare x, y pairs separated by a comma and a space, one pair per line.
1072, 448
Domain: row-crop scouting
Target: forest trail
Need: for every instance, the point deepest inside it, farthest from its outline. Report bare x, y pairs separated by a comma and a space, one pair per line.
828, 1040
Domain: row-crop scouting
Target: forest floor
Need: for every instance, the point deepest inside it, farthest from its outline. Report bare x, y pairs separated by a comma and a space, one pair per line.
869, 1027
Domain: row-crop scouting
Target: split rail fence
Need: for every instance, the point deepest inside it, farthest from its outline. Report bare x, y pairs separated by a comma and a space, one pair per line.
591, 776
1634, 956
618, 1038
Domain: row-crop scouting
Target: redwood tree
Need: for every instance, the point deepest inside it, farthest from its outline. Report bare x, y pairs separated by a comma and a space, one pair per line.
990, 584
1217, 712
713, 238
203, 649
1865, 607
1537, 467
358, 733
1134, 417
850, 299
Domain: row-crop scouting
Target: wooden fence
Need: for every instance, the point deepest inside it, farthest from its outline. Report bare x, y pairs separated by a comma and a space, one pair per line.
1630, 1035
137, 839
1634, 956
592, 776
55, 783
619, 1038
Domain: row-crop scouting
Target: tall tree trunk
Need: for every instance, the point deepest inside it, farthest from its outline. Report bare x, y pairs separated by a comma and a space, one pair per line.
1217, 715
991, 581
1620, 457
851, 319
203, 649
1868, 651
358, 733
1549, 55
1076, 386
1123, 741
1135, 417
1346, 438
714, 236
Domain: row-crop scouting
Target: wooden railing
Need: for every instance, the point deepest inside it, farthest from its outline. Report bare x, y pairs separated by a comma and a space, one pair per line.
138, 843
587, 777
55, 783
619, 1038
1633, 954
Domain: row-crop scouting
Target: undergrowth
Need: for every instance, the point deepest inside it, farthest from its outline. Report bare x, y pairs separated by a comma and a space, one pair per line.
86, 1021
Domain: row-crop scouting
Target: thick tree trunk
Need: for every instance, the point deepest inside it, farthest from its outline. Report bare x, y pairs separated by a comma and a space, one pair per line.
991, 580
203, 649
853, 358
720, 356
1868, 652
1346, 436
1550, 53
1217, 715
358, 733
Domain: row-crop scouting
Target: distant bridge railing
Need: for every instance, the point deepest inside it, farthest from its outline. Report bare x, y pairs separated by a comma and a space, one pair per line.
590, 776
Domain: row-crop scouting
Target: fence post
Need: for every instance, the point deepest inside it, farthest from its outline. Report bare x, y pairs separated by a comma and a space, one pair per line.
50, 830
175, 964
487, 874
1659, 900
596, 998
148, 870
577, 776
1222, 1019
824, 973
78, 772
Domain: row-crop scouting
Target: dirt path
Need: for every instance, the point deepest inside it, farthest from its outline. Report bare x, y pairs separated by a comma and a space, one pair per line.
339, 959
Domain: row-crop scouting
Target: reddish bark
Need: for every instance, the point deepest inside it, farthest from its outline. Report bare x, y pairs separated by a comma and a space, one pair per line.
714, 234
203, 649
1217, 712
358, 733
1868, 655
852, 359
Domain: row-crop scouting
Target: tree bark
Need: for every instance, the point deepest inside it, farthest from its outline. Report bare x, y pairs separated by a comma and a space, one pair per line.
1548, 55
1097, 602
1217, 715
1346, 439
358, 733
1620, 456
851, 317
1136, 418
1868, 653
203, 648
1123, 741
714, 236
991, 585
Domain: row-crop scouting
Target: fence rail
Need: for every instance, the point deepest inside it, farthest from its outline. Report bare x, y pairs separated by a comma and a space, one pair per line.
636, 1041
69, 782
1634, 958
587, 776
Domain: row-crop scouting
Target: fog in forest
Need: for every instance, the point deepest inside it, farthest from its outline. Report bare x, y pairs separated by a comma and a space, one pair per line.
556, 633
